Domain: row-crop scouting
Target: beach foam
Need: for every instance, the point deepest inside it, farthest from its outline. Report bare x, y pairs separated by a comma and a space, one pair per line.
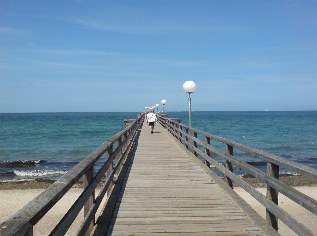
38, 173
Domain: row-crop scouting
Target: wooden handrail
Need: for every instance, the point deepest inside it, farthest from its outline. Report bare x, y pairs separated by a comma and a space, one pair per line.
200, 144
117, 149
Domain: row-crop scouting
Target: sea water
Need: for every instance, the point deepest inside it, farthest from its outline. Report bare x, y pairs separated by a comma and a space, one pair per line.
46, 145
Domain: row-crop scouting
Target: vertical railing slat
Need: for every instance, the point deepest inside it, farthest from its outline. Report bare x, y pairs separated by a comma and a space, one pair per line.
186, 129
228, 165
207, 151
87, 178
195, 143
109, 171
272, 194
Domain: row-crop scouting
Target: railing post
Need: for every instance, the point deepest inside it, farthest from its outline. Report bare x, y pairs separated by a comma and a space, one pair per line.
180, 133
168, 125
186, 129
108, 173
87, 178
125, 145
195, 143
207, 151
172, 128
176, 129
119, 143
272, 194
228, 165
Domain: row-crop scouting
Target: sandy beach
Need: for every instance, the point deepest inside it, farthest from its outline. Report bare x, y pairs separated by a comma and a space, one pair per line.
298, 212
14, 199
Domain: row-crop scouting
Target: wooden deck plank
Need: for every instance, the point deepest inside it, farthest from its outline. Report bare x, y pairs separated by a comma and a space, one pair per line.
167, 193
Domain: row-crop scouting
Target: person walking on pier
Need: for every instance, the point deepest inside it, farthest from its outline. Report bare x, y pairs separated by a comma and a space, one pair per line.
151, 119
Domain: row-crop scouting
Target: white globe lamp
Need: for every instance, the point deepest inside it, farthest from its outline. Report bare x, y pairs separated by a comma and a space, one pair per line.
189, 87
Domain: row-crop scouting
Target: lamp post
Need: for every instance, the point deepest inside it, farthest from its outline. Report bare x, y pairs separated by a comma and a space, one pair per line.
157, 105
189, 87
163, 103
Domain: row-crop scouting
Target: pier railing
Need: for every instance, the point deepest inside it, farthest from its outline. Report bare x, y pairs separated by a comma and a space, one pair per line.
223, 155
112, 160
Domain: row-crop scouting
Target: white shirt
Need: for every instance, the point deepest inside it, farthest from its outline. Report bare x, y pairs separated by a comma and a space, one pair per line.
151, 117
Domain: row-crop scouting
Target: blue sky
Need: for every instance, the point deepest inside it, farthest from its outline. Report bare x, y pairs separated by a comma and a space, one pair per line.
80, 55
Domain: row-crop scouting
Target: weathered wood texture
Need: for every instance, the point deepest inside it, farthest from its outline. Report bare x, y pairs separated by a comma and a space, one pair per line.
166, 192
201, 144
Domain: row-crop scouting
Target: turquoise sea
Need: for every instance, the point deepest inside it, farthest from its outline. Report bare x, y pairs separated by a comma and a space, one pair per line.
46, 145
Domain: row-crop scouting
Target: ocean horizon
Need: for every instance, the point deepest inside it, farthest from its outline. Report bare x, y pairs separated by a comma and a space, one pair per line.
172, 111
46, 145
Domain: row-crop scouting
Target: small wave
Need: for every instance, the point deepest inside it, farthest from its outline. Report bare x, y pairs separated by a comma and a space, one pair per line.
38, 173
21, 163
6, 173
312, 158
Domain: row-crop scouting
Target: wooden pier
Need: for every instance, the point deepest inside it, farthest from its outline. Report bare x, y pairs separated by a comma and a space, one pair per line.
166, 191
163, 184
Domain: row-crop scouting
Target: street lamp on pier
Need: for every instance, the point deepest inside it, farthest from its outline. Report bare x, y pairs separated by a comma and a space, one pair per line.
163, 103
189, 87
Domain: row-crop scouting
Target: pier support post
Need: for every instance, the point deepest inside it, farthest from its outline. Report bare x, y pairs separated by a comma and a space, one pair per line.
272, 194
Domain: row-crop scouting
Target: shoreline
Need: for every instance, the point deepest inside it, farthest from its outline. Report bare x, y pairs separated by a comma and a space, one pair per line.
288, 179
291, 180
